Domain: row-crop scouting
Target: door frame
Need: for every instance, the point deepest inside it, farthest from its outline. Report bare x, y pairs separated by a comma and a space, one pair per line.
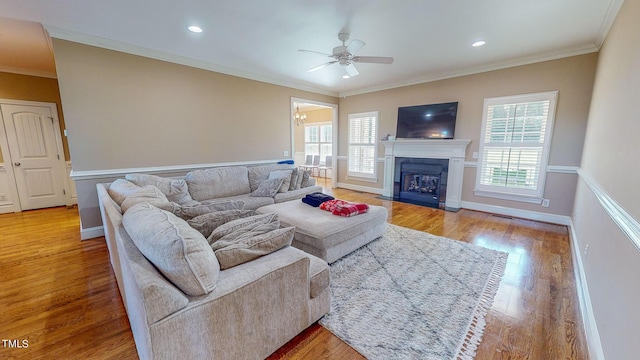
334, 130
14, 205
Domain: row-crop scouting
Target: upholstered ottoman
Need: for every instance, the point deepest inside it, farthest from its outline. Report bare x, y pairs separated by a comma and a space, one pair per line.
325, 235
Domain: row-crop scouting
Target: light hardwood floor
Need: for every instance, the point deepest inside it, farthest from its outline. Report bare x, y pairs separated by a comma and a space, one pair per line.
60, 295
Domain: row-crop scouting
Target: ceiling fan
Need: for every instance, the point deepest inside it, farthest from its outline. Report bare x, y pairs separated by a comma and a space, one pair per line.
345, 56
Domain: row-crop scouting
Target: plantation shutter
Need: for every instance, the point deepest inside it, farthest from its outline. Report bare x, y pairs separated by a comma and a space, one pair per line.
515, 145
362, 145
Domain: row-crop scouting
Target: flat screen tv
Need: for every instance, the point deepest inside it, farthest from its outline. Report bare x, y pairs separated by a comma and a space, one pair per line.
434, 121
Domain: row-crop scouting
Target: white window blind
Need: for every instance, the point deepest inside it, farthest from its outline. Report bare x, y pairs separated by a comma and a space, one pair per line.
514, 147
362, 145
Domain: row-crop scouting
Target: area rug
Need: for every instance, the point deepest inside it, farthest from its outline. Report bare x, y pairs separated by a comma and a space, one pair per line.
413, 295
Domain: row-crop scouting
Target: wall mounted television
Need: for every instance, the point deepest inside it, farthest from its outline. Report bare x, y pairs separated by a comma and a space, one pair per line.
434, 121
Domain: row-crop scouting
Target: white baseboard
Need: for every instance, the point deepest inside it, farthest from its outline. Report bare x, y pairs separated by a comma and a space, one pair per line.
584, 300
359, 188
524, 214
91, 233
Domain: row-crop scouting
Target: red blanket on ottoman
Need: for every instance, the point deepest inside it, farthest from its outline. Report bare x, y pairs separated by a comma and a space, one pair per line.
344, 208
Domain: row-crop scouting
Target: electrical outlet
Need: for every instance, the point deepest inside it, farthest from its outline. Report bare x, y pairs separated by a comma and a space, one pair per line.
474, 155
3, 197
545, 202
586, 251
285, 153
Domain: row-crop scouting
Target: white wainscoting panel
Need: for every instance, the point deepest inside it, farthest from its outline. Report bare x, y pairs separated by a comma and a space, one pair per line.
7, 204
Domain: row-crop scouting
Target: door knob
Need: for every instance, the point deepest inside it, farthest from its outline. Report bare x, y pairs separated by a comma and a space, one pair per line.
16, 164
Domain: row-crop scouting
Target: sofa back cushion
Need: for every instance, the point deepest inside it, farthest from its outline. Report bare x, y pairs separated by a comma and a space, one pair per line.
177, 250
218, 182
175, 190
259, 173
120, 189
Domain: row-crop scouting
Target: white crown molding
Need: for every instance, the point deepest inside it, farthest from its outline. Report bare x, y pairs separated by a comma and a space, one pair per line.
111, 173
29, 72
477, 70
620, 216
109, 44
607, 22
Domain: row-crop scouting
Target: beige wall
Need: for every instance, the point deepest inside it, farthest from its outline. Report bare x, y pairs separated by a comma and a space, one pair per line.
610, 159
33, 88
313, 116
125, 111
572, 77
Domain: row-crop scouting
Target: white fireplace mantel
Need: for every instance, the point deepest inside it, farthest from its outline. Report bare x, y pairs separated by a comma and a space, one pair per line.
451, 149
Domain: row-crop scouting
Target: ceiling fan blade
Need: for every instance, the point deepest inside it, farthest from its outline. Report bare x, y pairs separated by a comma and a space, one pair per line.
354, 46
373, 59
314, 52
321, 66
351, 70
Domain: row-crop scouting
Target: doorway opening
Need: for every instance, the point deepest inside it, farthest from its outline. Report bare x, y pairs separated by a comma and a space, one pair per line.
314, 135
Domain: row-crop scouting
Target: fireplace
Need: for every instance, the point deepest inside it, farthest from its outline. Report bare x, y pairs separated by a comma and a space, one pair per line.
450, 151
421, 181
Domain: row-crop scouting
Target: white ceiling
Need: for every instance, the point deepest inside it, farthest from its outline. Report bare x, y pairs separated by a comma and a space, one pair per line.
429, 39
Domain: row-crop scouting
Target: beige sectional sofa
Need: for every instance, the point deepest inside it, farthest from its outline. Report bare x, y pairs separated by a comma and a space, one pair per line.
181, 304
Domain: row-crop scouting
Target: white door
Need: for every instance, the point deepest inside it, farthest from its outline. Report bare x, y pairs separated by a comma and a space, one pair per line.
34, 155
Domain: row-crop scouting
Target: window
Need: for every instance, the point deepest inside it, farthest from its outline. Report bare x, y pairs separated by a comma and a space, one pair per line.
317, 139
362, 145
514, 146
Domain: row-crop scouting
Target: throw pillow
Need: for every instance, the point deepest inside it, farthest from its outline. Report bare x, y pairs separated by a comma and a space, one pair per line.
294, 179
305, 179
268, 188
248, 231
231, 226
299, 179
178, 251
206, 223
147, 193
250, 248
176, 190
120, 189
286, 179
189, 212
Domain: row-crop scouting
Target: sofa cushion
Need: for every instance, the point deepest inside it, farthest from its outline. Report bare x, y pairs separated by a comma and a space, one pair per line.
259, 173
268, 188
189, 212
294, 179
120, 189
175, 190
285, 175
247, 248
250, 202
218, 182
250, 230
147, 193
231, 226
319, 275
206, 223
177, 250
305, 179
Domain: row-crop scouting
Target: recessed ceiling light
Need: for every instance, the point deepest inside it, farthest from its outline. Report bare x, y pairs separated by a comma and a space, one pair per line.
195, 29
478, 43
345, 76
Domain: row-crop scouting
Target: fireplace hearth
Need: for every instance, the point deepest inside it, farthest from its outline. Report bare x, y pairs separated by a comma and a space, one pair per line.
421, 181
